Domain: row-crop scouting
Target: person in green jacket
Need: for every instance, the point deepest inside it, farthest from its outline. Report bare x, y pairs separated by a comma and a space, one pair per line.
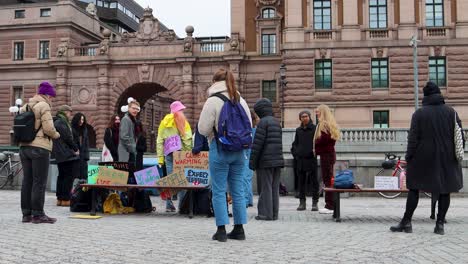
174, 134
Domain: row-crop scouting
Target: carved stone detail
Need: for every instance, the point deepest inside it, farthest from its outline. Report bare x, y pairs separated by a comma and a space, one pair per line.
62, 48
145, 72
83, 95
267, 2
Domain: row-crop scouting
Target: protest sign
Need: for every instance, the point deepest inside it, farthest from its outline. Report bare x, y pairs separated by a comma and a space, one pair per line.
92, 173
386, 183
116, 165
174, 179
186, 159
111, 176
147, 176
171, 144
197, 176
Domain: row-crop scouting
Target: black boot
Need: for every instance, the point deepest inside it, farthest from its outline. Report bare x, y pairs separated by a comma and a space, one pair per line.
237, 233
403, 226
439, 227
314, 206
302, 205
220, 234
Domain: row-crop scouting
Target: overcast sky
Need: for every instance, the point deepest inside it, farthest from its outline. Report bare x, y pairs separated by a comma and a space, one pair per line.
208, 17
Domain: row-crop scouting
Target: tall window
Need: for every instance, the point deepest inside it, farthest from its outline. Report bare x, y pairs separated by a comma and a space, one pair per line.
268, 44
44, 49
379, 68
434, 13
323, 74
45, 12
18, 51
268, 13
269, 90
17, 93
437, 71
378, 13
381, 119
322, 14
20, 14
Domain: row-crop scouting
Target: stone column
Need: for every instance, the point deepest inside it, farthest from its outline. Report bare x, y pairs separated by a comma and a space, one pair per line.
462, 19
61, 88
104, 108
351, 28
407, 27
188, 97
293, 21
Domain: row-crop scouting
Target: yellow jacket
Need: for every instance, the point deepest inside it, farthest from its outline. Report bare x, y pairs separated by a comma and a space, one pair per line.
168, 128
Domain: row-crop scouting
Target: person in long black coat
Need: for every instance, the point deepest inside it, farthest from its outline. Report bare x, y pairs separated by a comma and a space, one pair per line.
267, 159
140, 144
431, 162
81, 138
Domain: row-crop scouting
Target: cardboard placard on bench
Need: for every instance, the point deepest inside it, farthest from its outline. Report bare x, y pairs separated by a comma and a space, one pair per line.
185, 159
175, 179
147, 176
111, 176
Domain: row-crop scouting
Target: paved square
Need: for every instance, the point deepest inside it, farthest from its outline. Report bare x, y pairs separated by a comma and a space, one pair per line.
297, 237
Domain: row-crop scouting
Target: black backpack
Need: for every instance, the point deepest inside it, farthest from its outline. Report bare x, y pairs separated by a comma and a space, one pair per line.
24, 126
80, 200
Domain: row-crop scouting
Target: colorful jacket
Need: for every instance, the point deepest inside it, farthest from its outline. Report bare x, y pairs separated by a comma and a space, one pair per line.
168, 128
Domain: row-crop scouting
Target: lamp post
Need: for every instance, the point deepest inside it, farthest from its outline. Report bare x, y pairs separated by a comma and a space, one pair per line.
15, 110
283, 83
152, 126
414, 43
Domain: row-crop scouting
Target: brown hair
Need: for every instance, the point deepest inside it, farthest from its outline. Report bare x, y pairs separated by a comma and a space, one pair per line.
226, 75
112, 121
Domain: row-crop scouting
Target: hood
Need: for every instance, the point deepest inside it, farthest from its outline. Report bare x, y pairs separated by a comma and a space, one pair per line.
168, 121
263, 107
37, 99
217, 87
433, 99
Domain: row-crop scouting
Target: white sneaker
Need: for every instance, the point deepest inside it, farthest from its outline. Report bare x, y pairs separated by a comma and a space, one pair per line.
325, 211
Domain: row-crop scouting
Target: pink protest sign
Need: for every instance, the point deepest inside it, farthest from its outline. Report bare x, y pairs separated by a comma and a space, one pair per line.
147, 176
172, 144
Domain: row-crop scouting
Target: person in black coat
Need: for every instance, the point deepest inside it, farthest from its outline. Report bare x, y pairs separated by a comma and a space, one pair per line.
66, 155
80, 136
141, 147
306, 162
267, 159
111, 137
430, 156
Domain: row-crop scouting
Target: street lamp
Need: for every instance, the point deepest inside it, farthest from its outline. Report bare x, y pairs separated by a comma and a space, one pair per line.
152, 126
414, 43
283, 83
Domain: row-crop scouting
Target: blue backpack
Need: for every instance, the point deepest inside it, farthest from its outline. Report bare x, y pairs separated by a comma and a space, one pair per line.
344, 179
234, 128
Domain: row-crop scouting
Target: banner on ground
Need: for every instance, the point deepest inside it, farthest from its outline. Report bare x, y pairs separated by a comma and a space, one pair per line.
111, 176
147, 176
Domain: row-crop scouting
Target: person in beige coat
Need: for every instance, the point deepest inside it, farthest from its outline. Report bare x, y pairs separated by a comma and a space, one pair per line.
35, 156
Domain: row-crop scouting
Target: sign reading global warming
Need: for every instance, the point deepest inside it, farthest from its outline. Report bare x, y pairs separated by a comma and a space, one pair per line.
186, 159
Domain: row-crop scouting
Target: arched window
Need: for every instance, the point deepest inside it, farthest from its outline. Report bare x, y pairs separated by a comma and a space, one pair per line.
268, 13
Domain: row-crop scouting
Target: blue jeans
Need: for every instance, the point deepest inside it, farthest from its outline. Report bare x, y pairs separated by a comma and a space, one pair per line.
227, 167
248, 193
169, 168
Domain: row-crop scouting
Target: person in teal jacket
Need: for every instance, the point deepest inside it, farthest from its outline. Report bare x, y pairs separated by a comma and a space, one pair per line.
174, 134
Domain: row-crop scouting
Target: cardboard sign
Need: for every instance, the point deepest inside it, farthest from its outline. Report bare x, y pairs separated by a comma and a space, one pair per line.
386, 183
116, 165
111, 176
171, 144
197, 176
185, 159
147, 176
93, 171
175, 179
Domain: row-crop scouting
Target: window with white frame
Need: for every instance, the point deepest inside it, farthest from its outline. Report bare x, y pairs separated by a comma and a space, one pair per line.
434, 13
18, 51
268, 13
268, 44
322, 14
44, 49
378, 14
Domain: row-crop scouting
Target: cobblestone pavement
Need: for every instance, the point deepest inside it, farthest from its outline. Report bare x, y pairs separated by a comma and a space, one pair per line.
297, 237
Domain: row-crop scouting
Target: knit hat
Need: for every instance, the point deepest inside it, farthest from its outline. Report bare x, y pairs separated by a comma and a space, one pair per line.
45, 88
177, 106
64, 108
304, 112
431, 88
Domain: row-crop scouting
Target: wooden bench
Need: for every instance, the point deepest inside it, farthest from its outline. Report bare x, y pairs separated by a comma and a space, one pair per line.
337, 192
93, 187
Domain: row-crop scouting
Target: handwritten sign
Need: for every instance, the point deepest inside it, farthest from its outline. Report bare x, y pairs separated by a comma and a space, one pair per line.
93, 171
186, 159
175, 179
111, 176
386, 183
197, 176
116, 165
171, 144
147, 176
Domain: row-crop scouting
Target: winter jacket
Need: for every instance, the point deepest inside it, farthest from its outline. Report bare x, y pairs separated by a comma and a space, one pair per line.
127, 143
430, 155
82, 143
209, 115
40, 105
64, 148
109, 141
168, 128
302, 148
267, 148
325, 144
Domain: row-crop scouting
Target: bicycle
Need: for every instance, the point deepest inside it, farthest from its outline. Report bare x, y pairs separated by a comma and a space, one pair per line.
9, 169
394, 167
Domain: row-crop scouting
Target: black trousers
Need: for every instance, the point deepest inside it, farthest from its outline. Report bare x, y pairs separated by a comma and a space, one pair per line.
303, 182
412, 204
35, 163
67, 172
83, 169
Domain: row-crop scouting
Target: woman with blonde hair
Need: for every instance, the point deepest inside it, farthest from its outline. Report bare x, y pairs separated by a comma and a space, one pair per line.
326, 134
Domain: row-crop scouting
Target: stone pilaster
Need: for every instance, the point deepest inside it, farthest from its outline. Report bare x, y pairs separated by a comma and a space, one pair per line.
351, 28
407, 27
462, 19
104, 108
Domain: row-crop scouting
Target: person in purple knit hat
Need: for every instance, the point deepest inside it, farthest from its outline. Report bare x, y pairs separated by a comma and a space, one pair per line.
35, 156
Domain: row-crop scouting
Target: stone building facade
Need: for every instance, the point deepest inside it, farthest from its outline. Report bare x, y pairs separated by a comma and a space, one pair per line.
352, 55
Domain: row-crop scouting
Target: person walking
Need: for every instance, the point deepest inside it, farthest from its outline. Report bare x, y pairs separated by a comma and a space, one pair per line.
111, 137
431, 162
80, 135
225, 166
140, 144
35, 156
306, 162
326, 135
267, 159
174, 134
66, 154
